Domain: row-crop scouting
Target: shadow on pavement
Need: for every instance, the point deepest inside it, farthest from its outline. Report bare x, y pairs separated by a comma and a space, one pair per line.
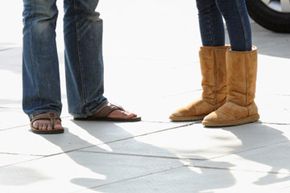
130, 172
276, 156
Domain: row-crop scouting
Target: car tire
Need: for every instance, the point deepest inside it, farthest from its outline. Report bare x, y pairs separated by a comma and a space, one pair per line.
267, 17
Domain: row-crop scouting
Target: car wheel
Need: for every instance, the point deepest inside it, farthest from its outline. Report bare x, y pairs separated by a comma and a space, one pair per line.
271, 14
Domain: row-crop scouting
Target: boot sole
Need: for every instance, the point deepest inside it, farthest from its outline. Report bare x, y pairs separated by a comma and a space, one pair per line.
187, 119
251, 119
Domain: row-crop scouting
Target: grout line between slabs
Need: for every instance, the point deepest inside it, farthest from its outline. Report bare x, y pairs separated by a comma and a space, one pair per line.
250, 149
176, 168
239, 170
23, 125
131, 178
20, 162
123, 139
82, 148
143, 155
274, 123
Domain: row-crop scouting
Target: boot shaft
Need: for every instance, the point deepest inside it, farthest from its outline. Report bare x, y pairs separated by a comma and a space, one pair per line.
213, 70
241, 76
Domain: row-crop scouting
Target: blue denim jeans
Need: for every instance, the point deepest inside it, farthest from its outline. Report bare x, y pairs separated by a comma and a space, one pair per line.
83, 58
235, 14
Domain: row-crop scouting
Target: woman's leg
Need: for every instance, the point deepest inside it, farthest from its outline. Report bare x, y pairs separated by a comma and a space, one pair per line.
212, 65
241, 61
211, 23
238, 25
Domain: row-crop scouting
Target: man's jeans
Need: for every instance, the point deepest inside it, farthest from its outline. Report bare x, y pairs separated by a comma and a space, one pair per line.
211, 14
83, 57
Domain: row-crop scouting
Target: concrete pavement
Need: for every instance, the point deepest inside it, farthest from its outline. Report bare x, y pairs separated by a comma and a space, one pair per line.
151, 67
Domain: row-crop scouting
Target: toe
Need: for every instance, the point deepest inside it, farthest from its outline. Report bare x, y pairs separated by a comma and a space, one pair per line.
58, 125
122, 114
42, 126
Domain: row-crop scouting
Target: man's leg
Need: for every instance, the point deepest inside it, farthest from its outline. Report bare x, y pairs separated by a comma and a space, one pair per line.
83, 30
41, 90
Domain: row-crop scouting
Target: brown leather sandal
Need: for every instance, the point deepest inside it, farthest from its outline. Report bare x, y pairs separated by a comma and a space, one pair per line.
103, 113
53, 117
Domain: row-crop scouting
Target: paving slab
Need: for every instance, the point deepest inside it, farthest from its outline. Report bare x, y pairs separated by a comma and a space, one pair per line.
274, 109
194, 179
273, 158
154, 94
9, 159
78, 134
272, 161
199, 143
11, 60
272, 95
12, 118
11, 89
78, 170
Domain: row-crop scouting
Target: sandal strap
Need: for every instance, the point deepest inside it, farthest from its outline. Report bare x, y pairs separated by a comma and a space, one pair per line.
107, 109
52, 116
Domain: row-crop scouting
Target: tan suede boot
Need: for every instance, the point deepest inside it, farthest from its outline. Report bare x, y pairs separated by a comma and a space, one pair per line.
240, 107
213, 70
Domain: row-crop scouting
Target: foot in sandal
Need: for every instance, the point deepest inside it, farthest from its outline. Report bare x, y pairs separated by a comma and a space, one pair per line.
111, 112
46, 123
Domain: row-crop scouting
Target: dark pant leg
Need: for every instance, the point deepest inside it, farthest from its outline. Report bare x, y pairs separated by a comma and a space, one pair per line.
238, 25
211, 23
